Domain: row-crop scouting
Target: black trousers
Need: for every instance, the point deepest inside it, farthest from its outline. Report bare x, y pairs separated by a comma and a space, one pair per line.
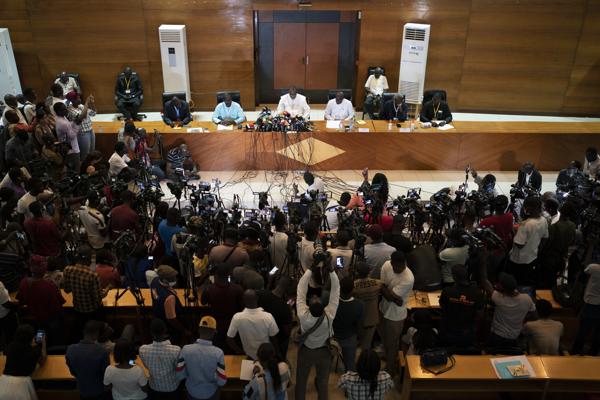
130, 107
8, 326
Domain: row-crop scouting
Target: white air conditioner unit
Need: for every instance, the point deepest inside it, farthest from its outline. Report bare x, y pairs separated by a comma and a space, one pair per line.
413, 61
9, 75
173, 54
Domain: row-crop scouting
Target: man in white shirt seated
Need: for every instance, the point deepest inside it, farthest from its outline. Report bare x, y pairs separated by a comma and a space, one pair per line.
339, 109
118, 160
374, 87
294, 104
68, 83
228, 112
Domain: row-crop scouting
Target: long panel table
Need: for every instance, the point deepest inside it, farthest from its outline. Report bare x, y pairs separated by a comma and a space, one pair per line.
501, 146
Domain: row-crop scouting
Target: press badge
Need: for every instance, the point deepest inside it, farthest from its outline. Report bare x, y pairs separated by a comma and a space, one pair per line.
127, 91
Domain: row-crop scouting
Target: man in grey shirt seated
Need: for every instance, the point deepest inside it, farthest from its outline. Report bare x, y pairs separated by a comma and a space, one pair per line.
543, 335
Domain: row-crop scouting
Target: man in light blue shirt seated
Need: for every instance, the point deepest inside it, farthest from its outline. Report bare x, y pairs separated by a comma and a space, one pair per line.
228, 112
202, 365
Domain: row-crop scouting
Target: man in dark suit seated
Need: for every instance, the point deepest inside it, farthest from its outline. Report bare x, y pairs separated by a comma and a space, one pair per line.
129, 94
176, 112
395, 109
530, 176
436, 111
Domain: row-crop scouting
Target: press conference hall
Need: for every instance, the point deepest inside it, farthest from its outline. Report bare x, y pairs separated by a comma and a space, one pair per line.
299, 199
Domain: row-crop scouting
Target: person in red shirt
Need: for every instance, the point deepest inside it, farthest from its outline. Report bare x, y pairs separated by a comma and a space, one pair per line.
43, 232
108, 275
502, 224
123, 217
43, 300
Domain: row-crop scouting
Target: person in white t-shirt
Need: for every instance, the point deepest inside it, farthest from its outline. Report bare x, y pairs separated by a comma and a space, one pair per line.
531, 232
375, 86
118, 161
93, 222
125, 379
254, 325
398, 282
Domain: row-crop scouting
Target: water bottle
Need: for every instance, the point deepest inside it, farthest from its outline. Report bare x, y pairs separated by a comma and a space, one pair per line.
412, 126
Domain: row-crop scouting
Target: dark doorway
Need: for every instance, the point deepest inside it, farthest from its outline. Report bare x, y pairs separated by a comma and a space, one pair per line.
313, 50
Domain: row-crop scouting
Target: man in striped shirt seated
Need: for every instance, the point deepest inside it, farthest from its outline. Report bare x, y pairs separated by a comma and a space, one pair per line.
202, 365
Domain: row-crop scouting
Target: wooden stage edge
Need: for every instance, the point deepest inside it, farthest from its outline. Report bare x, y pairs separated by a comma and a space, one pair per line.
496, 146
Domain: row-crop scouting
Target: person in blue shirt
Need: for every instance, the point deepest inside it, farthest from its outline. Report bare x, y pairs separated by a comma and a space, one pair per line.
228, 112
137, 265
169, 227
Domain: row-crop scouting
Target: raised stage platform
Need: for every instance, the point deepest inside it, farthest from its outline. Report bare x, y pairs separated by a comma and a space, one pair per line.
500, 146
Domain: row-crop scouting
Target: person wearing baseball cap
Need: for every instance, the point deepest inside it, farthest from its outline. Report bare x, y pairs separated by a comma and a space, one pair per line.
202, 364
165, 302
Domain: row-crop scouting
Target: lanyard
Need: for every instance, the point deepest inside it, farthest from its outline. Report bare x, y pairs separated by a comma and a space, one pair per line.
396, 108
436, 110
127, 82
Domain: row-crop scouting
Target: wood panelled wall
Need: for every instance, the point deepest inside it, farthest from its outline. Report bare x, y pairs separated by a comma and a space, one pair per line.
523, 56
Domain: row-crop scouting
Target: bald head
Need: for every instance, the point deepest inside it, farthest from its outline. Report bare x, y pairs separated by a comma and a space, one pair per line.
250, 299
339, 97
228, 99
127, 71
10, 100
293, 91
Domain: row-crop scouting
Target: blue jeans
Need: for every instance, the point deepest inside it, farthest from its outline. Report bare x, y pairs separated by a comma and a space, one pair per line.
87, 143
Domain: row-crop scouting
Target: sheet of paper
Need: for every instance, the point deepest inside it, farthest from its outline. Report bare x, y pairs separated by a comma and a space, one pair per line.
363, 129
360, 121
434, 299
246, 371
404, 130
195, 130
177, 127
331, 124
503, 367
224, 127
446, 127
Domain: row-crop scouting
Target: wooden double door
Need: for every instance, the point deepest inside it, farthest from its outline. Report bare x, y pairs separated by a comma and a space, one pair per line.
312, 50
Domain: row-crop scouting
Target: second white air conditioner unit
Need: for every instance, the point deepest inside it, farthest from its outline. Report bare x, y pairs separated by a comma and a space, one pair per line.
413, 61
174, 57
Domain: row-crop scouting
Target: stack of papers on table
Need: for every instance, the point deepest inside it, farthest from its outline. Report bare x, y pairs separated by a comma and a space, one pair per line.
446, 127
332, 124
517, 367
224, 127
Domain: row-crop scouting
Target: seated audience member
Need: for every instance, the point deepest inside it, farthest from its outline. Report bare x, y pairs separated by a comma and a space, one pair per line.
591, 164
436, 111
67, 132
179, 161
589, 317
461, 305
395, 109
23, 354
45, 236
247, 275
176, 112
166, 304
229, 252
339, 108
93, 222
129, 94
202, 364
254, 325
43, 300
67, 83
421, 336
377, 252
82, 113
375, 86
369, 382
118, 160
10, 100
347, 322
124, 217
274, 302
294, 104
126, 380
228, 112
455, 253
270, 377
398, 282
108, 274
161, 358
169, 227
313, 317
543, 335
529, 176
368, 290
87, 362
511, 309
225, 299
526, 243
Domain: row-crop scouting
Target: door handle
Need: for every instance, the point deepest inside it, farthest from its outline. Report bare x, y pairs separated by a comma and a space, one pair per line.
306, 60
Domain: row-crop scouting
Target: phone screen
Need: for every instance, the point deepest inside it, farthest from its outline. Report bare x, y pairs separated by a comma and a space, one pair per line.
40, 336
273, 271
229, 279
361, 194
339, 262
